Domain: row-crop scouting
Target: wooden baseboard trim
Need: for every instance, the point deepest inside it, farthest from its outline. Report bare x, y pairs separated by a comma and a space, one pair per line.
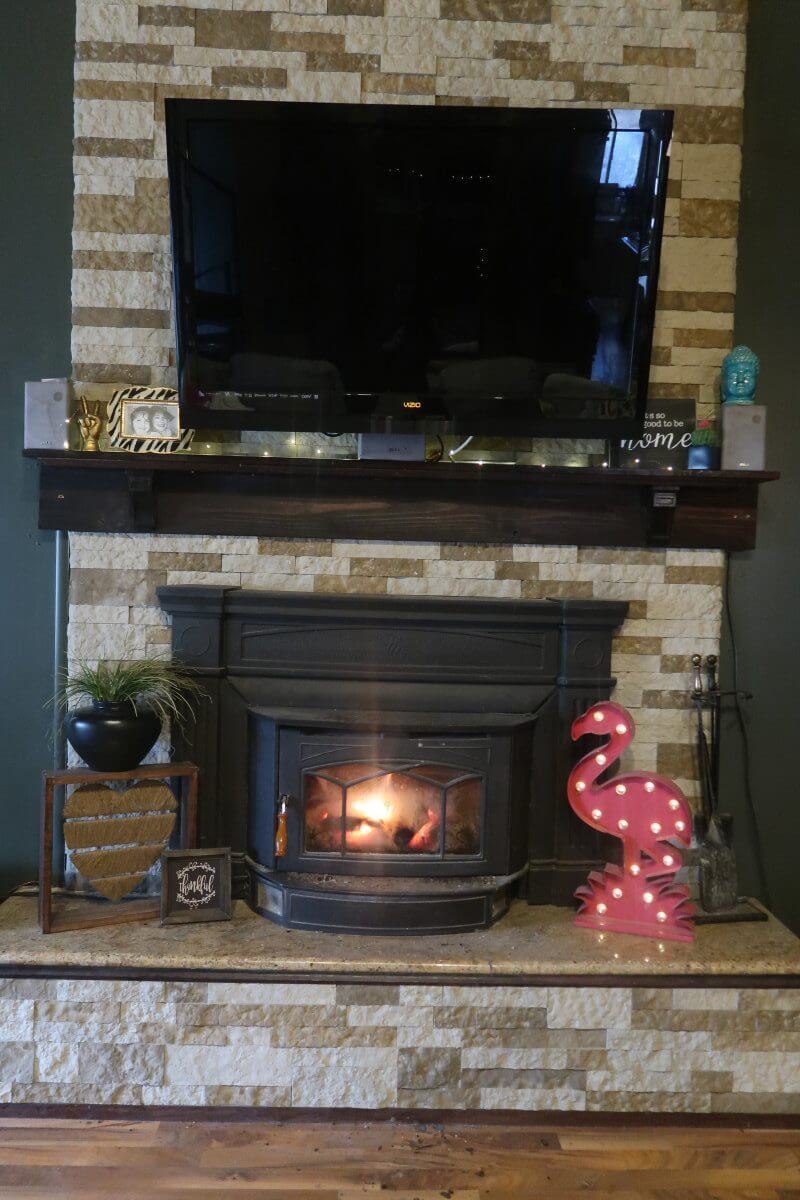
235, 975
417, 1116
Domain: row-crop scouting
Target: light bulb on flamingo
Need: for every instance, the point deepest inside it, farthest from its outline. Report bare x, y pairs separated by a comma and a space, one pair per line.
648, 813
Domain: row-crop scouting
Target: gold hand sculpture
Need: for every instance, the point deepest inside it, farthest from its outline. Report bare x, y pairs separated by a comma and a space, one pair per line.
90, 423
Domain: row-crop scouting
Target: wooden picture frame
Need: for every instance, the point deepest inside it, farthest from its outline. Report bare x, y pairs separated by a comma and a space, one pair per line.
64, 911
195, 886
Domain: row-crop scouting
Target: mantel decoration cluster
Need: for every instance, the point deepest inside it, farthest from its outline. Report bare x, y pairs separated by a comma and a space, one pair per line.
647, 813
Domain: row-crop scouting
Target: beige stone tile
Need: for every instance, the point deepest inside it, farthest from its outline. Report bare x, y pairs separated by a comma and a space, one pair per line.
161, 560
105, 1066
484, 1018
428, 1068
27, 989
436, 1098
389, 1015
250, 1097
379, 994
232, 30
533, 1099
209, 579
421, 994
249, 77
113, 642
765, 1072
321, 1037
101, 1012
74, 1093
514, 1058
488, 997
546, 554
767, 999
414, 550
282, 546
710, 999
282, 1015
303, 994
81, 990
113, 118
640, 1079
166, 14
16, 1063
450, 569
101, 614
448, 586
691, 263
588, 1008
628, 1101
394, 567
415, 1037
106, 22
241, 1064
764, 1103
345, 1078
103, 51
344, 585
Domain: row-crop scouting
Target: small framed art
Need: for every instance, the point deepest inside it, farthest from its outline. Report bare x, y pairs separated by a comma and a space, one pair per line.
195, 886
147, 420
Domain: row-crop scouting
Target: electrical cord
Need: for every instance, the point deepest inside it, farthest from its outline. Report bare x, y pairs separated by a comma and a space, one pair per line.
748, 789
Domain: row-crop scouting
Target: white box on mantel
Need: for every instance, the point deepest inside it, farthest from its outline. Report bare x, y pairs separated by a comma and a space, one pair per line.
744, 436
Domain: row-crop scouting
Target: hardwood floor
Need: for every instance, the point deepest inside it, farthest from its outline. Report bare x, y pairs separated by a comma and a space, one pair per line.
310, 1160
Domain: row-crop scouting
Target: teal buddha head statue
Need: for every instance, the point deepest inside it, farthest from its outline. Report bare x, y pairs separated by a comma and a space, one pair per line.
739, 376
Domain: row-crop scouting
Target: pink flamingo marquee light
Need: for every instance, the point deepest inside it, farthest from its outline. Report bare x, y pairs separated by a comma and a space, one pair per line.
647, 813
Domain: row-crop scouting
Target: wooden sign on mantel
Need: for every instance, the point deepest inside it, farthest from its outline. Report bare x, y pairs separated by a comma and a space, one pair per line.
195, 886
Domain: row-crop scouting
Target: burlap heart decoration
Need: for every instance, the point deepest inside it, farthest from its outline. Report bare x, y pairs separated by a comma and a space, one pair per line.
115, 837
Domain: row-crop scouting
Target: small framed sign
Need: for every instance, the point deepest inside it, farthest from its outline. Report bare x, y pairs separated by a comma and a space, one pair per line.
195, 886
664, 440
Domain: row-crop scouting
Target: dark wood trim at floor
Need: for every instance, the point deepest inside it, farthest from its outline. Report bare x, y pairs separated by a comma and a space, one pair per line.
433, 978
410, 1116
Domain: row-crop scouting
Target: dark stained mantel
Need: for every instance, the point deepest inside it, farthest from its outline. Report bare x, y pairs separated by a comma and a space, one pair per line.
455, 502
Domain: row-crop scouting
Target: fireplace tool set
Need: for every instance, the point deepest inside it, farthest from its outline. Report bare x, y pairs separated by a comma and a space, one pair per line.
719, 884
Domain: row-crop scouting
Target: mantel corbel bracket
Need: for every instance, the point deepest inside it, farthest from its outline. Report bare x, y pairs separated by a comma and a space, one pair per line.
142, 497
660, 515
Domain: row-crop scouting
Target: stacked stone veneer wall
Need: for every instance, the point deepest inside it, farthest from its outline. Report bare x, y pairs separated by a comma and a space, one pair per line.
382, 1046
674, 601
687, 54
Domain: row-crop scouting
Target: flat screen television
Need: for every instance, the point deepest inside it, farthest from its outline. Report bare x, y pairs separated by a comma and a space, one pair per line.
357, 268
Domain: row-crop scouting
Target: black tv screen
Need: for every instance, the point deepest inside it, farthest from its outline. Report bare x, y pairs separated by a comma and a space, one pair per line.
354, 268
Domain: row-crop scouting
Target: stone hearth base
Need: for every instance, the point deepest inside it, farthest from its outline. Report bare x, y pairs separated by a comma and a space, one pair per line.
601, 1040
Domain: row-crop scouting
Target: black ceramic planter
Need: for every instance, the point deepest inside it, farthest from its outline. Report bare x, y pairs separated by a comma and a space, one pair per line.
112, 737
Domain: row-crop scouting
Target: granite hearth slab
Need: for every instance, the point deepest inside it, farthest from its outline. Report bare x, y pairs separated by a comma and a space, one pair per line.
529, 945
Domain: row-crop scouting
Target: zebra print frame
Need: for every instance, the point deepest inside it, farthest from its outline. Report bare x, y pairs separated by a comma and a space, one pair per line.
147, 445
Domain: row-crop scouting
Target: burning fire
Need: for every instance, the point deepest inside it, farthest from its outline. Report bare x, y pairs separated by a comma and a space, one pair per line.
375, 808
395, 813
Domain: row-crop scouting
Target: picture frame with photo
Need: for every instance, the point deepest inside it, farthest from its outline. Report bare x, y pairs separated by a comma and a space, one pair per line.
146, 420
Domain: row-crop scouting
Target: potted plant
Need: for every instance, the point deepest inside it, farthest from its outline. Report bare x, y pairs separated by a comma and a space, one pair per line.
129, 703
704, 450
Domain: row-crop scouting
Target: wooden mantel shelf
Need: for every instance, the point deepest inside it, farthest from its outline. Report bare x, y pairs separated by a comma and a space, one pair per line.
456, 502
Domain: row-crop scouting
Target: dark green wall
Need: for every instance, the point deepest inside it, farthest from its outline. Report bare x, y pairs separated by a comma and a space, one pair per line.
765, 584
36, 45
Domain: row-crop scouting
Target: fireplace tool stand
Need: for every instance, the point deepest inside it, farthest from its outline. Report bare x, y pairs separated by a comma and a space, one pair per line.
719, 884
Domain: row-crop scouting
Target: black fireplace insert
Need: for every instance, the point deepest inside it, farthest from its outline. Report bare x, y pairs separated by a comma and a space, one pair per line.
391, 766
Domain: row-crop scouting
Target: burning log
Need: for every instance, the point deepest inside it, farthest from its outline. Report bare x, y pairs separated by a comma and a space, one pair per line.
426, 839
